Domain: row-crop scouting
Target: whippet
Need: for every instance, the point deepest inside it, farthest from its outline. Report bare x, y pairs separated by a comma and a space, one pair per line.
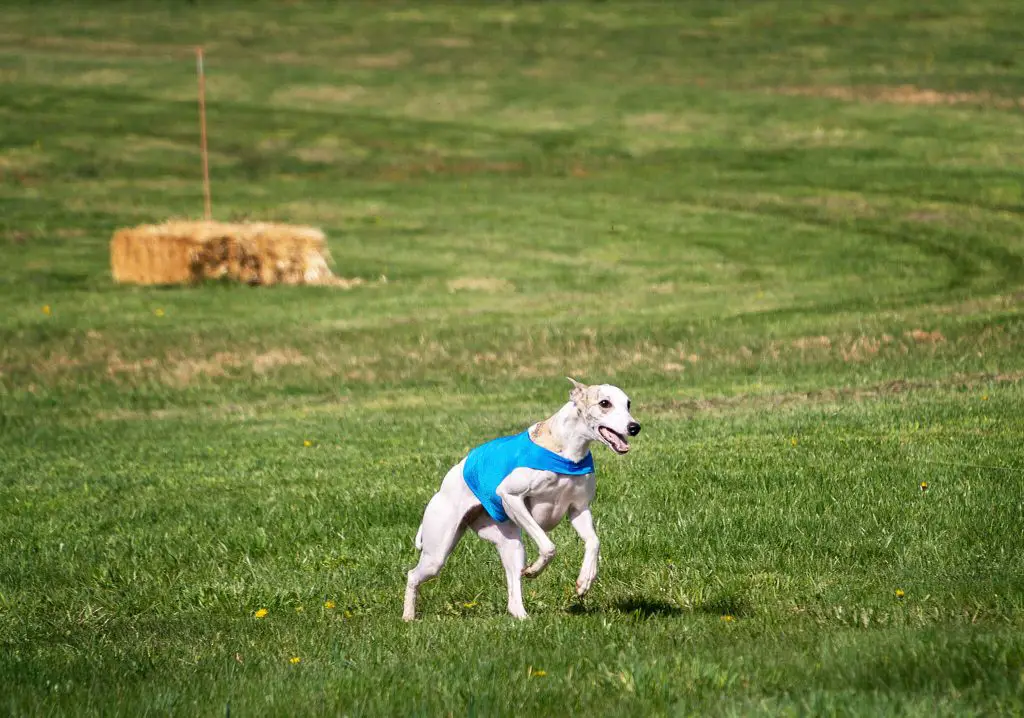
527, 482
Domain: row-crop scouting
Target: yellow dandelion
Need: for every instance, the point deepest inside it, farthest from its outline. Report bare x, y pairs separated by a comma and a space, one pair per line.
900, 594
794, 441
299, 609
328, 604
535, 673
727, 618
985, 397
159, 312
46, 309
295, 659
471, 604
261, 613
348, 614
307, 443
924, 486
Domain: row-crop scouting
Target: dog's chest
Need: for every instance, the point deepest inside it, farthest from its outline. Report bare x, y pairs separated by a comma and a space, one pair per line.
554, 494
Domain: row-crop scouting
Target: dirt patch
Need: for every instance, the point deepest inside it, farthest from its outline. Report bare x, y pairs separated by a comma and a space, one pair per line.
185, 371
262, 363
903, 95
924, 337
863, 348
805, 343
116, 365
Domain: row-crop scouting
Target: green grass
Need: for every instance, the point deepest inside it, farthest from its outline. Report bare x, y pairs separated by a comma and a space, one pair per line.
806, 270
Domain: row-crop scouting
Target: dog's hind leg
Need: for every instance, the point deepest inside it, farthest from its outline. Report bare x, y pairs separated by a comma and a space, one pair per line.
443, 524
507, 537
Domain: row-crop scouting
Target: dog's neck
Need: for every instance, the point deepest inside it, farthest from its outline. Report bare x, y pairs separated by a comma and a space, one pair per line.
565, 433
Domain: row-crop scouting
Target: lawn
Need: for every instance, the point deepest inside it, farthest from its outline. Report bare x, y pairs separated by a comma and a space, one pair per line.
793, 234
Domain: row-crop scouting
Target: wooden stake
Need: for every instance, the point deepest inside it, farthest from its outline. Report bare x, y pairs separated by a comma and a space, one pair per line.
207, 211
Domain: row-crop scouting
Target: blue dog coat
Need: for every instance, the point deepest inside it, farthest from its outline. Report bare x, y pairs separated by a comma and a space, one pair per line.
488, 464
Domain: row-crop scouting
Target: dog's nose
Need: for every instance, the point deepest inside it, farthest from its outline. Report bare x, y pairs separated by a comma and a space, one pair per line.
633, 428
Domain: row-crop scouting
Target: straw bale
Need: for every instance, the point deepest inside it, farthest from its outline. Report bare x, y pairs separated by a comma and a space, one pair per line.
182, 251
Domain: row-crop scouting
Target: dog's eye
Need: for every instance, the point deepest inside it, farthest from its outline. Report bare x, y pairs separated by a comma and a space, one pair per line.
629, 406
605, 404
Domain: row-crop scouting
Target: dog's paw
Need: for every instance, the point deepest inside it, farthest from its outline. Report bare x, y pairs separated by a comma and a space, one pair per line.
584, 582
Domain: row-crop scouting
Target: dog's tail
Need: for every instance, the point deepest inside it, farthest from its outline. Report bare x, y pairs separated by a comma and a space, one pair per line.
418, 541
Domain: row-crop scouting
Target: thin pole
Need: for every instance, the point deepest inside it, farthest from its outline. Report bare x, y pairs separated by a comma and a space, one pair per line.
207, 211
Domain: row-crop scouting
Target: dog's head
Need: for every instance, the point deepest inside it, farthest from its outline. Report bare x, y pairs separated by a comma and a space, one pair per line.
605, 410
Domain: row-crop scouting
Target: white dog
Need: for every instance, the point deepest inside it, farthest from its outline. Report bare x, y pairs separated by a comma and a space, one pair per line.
527, 482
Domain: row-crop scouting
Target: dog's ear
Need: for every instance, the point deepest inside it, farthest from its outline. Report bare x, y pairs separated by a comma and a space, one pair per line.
578, 391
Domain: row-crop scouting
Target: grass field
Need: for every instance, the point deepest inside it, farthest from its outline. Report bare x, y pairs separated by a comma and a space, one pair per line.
794, 234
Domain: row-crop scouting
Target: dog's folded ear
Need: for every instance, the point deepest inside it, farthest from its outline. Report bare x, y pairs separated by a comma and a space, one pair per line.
577, 392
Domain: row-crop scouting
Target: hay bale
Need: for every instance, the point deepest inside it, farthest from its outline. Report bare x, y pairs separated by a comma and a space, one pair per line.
179, 252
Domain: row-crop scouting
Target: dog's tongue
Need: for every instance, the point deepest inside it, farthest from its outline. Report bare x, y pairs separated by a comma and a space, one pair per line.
614, 440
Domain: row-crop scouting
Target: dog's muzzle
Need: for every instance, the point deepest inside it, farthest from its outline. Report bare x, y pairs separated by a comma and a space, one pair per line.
613, 439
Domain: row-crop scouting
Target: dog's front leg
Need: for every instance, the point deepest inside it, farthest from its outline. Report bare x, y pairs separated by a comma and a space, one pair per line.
584, 524
513, 491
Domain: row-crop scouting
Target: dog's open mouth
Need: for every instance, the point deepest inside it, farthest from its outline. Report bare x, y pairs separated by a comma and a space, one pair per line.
615, 441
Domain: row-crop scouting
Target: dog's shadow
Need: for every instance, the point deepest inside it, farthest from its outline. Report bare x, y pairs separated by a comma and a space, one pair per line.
638, 606
644, 607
